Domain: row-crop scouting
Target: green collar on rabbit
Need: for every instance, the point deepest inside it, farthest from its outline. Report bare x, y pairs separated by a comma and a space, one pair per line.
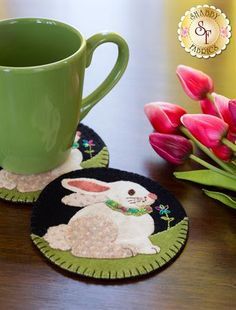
115, 206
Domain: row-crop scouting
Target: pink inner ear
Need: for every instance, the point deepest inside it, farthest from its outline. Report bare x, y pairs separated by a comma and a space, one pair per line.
88, 186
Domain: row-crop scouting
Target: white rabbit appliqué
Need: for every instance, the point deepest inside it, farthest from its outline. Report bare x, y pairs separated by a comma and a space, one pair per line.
114, 221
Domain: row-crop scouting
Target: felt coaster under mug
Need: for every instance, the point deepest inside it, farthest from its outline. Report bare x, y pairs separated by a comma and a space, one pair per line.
88, 151
109, 224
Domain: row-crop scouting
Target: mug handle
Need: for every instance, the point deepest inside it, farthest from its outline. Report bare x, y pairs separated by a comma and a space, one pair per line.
115, 74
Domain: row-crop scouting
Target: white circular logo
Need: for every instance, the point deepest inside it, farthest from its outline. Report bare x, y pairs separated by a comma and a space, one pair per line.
204, 31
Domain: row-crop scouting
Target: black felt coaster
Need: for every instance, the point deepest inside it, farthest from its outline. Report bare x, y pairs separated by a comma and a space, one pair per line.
94, 154
107, 223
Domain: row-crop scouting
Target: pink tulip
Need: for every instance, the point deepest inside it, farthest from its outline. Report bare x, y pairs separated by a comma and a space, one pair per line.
164, 116
172, 148
195, 83
222, 152
208, 129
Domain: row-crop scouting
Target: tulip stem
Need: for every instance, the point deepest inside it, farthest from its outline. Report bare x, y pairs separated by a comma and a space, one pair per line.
202, 147
211, 167
228, 143
211, 98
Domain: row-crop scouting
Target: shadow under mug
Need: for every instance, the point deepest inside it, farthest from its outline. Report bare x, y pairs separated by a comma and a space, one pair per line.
42, 66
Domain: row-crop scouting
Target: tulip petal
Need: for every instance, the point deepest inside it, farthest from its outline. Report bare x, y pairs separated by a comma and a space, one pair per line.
173, 148
164, 116
208, 129
158, 118
195, 83
173, 111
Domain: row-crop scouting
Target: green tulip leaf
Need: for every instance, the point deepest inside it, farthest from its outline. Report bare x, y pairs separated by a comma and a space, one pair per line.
207, 177
225, 199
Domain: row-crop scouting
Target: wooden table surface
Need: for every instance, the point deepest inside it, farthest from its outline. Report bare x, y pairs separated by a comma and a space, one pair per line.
203, 277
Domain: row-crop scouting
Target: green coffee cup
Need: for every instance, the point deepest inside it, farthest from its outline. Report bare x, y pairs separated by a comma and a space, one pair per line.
42, 66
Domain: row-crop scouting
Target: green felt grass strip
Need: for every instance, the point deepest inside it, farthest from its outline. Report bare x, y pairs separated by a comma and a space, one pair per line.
99, 160
16, 196
170, 241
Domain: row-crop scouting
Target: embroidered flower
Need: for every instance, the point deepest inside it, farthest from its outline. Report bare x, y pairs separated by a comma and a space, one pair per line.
163, 209
224, 32
184, 32
88, 144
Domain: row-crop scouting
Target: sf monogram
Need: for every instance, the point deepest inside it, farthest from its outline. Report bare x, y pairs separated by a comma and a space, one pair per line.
201, 31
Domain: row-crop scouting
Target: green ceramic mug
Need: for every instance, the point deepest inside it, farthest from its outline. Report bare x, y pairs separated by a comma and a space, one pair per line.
42, 66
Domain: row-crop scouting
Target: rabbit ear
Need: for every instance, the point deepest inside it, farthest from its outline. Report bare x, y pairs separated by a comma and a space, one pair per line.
87, 186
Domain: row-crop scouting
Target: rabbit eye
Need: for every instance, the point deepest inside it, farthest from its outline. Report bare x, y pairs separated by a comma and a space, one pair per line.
131, 192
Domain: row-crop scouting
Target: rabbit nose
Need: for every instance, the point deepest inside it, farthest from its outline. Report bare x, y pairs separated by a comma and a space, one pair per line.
152, 196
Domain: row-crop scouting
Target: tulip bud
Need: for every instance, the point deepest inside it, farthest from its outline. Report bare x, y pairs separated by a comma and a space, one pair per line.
164, 116
208, 129
173, 148
195, 83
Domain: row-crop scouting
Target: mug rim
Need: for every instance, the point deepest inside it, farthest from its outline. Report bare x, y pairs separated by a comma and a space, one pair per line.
50, 65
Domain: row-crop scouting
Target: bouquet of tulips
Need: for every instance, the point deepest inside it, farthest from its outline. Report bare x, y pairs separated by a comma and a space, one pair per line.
177, 134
